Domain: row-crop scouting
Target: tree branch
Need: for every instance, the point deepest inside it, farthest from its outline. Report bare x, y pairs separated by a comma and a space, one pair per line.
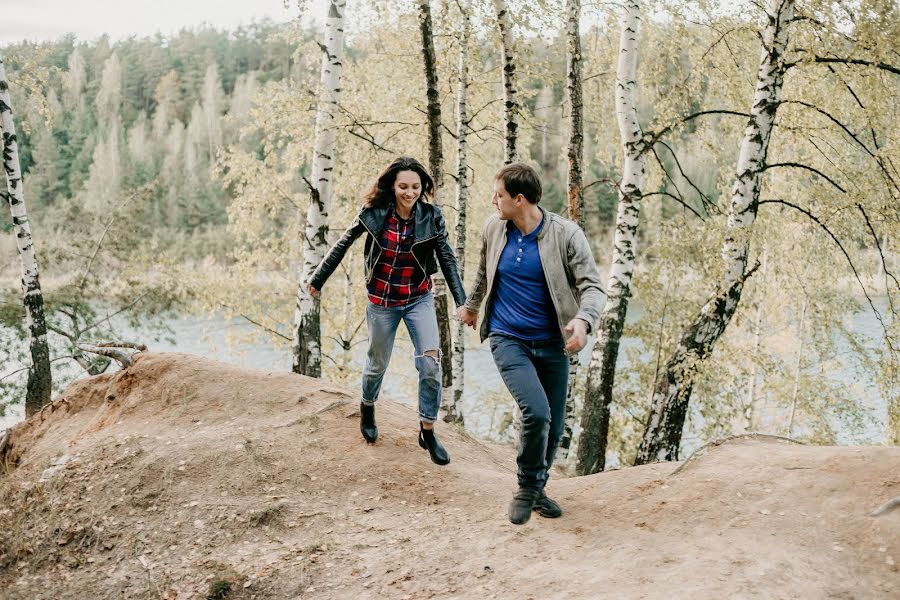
881, 254
608, 180
112, 220
676, 199
654, 137
443, 125
108, 317
705, 200
110, 350
258, 324
824, 227
371, 141
808, 168
833, 119
666, 172
845, 61
846, 130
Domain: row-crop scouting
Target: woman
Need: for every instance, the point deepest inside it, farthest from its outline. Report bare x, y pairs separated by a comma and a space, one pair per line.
406, 239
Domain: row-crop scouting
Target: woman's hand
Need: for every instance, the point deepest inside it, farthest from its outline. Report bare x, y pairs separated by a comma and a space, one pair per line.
312, 291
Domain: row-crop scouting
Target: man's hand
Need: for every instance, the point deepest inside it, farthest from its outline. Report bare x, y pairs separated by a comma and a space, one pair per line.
578, 338
312, 291
467, 316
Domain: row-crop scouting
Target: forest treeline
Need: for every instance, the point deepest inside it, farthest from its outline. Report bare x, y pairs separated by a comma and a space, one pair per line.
173, 173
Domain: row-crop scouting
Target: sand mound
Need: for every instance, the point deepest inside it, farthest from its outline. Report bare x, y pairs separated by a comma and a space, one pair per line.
186, 478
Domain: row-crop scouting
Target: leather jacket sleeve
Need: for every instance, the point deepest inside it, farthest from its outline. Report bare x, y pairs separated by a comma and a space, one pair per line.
336, 253
447, 260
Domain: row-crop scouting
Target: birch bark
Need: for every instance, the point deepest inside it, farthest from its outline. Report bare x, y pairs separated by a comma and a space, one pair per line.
307, 333
510, 92
454, 409
672, 391
436, 165
574, 184
576, 126
39, 383
601, 372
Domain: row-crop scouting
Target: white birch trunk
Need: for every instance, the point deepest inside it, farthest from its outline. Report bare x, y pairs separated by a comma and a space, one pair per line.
574, 184
39, 377
601, 371
436, 165
307, 334
510, 92
454, 409
668, 409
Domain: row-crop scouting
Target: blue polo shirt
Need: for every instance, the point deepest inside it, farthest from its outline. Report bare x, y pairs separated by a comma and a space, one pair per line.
521, 305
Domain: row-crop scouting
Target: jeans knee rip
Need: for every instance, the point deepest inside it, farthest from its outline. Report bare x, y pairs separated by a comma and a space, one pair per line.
437, 359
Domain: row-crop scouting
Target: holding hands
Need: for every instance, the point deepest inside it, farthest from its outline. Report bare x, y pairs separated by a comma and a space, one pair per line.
578, 338
466, 316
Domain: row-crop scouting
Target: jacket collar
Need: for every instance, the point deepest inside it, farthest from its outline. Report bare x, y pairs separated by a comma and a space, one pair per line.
373, 218
546, 222
424, 226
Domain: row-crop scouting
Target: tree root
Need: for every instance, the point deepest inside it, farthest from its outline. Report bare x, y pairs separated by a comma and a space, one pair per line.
53, 406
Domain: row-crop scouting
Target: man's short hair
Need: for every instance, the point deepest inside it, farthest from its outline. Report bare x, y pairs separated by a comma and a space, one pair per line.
519, 178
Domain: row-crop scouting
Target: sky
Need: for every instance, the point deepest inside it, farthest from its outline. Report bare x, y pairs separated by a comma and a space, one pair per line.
42, 20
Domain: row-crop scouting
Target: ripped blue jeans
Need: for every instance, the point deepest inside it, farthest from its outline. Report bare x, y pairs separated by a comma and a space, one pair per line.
421, 322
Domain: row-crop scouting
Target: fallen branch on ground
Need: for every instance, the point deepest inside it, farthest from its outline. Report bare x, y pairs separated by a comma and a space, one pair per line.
114, 350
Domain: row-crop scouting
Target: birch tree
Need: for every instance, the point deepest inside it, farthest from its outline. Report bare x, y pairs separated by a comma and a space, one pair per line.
576, 126
39, 383
601, 372
454, 411
662, 435
510, 92
575, 194
436, 166
307, 335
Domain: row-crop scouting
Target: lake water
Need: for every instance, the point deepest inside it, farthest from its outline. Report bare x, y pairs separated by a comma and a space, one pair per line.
487, 405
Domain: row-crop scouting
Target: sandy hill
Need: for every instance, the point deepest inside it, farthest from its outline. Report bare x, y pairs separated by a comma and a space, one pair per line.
187, 478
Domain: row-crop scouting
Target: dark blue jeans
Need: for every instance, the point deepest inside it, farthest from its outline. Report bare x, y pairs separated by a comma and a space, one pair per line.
536, 374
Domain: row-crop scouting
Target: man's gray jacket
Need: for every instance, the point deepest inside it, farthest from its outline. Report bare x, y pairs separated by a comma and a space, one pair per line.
569, 268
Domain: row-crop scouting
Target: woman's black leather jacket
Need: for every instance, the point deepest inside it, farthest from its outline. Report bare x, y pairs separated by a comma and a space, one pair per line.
430, 246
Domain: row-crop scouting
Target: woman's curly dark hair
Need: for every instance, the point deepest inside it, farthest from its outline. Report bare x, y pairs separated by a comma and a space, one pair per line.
382, 191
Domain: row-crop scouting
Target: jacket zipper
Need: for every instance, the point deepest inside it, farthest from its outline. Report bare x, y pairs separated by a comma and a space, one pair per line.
380, 249
415, 258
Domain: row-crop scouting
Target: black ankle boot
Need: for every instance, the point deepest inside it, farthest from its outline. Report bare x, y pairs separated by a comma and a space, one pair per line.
429, 441
367, 422
522, 504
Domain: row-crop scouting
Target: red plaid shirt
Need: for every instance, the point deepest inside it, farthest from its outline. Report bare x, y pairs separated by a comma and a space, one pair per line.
397, 277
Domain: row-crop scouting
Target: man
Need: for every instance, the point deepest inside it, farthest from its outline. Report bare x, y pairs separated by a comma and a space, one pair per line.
544, 296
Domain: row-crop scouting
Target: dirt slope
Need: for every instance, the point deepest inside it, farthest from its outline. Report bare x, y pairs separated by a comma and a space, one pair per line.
181, 474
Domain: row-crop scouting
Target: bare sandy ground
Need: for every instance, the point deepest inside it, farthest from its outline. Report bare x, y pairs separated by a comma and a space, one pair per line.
186, 478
